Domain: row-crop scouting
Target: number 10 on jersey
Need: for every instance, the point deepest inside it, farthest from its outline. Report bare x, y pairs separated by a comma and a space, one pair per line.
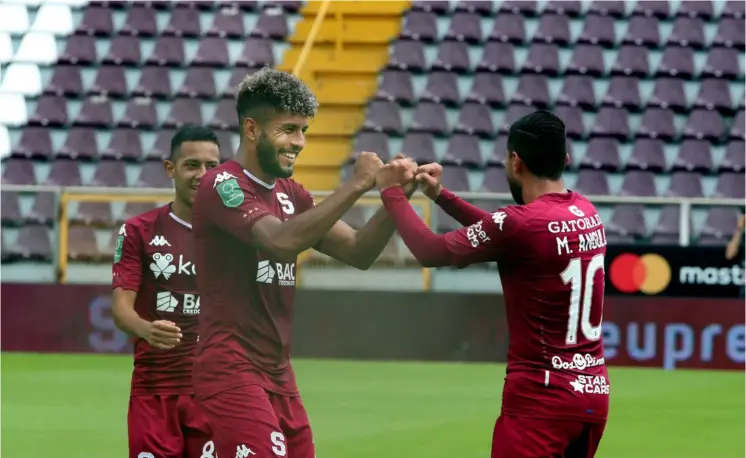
574, 275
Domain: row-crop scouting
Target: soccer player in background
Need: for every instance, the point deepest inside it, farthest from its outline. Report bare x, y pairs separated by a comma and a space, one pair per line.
550, 253
251, 221
156, 301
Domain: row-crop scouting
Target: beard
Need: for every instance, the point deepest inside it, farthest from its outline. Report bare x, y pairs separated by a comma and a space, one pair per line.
516, 190
269, 159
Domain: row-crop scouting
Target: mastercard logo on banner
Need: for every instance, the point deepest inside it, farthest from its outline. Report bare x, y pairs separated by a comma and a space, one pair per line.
648, 273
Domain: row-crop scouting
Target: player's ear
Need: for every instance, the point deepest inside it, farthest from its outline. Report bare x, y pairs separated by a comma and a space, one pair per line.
170, 168
250, 129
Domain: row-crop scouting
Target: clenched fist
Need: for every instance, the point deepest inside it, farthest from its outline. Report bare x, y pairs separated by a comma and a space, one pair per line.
366, 166
428, 177
399, 172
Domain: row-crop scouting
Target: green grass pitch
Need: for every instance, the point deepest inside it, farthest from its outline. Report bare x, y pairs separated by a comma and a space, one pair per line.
74, 406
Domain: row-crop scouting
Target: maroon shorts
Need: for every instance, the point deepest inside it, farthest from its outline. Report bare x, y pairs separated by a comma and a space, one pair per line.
516, 437
253, 421
169, 426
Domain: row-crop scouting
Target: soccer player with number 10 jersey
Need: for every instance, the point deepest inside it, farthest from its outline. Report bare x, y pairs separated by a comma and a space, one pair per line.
549, 250
155, 300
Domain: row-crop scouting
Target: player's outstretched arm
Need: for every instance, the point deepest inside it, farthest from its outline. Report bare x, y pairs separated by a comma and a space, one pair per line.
429, 177
361, 248
480, 242
247, 218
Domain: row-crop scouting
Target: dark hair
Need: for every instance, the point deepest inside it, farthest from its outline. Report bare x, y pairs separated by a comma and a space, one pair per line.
191, 133
539, 140
271, 91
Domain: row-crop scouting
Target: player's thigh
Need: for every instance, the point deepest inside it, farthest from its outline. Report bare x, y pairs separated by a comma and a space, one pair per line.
516, 437
153, 427
243, 423
196, 429
296, 436
586, 445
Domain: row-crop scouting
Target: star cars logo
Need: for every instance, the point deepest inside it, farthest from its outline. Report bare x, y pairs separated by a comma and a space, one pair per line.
590, 384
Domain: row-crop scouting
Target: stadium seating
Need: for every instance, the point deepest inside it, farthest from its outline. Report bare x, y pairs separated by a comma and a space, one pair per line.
651, 92
91, 93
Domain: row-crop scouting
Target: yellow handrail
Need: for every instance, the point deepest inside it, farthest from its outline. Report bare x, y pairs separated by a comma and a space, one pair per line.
304, 53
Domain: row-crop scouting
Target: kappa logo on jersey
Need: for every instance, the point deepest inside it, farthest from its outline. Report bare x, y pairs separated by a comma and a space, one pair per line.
221, 177
576, 211
590, 384
476, 234
499, 218
165, 302
159, 240
242, 451
579, 362
266, 271
123, 230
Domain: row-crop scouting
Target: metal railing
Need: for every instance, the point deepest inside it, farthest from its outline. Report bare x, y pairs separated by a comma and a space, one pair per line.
65, 195
311, 39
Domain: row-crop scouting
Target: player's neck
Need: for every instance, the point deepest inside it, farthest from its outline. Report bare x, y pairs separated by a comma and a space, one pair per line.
182, 210
540, 187
251, 164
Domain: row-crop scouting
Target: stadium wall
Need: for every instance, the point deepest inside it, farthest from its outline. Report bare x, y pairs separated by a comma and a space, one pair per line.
638, 331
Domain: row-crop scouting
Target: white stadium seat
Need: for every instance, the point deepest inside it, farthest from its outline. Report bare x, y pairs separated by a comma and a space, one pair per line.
6, 48
37, 47
13, 19
71, 3
4, 142
32, 3
54, 19
14, 110
22, 79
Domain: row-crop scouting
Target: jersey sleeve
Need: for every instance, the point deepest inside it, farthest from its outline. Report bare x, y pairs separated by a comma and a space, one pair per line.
489, 239
127, 267
486, 240
232, 206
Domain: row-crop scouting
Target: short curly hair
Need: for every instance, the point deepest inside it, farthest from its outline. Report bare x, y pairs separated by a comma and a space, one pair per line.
269, 92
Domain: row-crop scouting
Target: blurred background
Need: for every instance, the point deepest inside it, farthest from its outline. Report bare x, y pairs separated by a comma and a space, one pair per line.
652, 93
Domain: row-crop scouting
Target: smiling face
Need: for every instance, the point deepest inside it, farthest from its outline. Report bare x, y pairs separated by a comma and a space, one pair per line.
279, 143
192, 161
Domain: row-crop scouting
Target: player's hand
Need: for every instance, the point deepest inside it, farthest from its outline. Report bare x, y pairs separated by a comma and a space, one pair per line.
366, 166
741, 222
163, 334
398, 172
410, 187
428, 177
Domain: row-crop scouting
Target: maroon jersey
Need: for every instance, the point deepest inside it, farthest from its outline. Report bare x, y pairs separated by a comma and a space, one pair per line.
550, 254
154, 258
246, 325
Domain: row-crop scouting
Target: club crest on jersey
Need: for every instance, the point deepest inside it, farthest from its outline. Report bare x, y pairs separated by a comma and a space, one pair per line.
162, 265
576, 211
230, 192
159, 240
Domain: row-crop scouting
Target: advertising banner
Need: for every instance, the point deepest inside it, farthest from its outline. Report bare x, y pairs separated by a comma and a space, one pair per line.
653, 332
673, 271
